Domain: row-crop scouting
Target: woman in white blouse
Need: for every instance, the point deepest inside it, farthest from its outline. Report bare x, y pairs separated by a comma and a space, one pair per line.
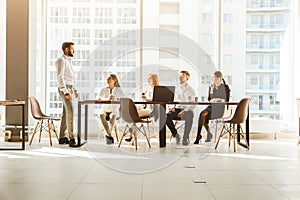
109, 111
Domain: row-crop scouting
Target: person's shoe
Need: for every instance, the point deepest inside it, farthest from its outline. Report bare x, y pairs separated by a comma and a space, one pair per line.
185, 142
198, 139
109, 139
177, 136
63, 140
72, 143
208, 137
128, 139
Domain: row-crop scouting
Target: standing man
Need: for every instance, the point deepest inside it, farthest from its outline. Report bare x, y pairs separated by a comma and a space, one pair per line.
185, 93
66, 79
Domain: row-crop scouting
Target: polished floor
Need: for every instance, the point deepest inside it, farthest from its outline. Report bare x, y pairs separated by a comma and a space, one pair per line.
269, 170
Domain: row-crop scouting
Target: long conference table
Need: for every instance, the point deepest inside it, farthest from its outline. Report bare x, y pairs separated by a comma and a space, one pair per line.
162, 111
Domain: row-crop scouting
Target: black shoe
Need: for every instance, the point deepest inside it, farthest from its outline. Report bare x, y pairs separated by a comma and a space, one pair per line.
177, 136
128, 139
109, 139
185, 142
64, 140
209, 136
198, 139
72, 143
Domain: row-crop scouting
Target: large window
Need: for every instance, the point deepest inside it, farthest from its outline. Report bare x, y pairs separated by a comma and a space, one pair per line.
250, 45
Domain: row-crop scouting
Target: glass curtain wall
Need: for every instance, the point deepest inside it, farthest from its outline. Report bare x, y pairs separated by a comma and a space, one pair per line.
246, 40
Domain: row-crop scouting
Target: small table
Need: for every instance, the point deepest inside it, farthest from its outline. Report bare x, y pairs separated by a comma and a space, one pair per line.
16, 103
162, 126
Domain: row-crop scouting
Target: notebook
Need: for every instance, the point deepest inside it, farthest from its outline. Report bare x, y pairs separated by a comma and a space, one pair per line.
163, 93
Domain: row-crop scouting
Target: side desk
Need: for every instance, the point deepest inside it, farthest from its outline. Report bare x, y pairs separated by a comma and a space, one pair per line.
16, 103
162, 126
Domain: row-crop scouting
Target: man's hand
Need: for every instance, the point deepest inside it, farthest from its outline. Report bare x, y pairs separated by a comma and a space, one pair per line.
68, 96
180, 114
76, 94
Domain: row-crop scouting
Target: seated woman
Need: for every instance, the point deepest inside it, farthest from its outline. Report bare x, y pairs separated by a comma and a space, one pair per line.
148, 110
218, 92
109, 111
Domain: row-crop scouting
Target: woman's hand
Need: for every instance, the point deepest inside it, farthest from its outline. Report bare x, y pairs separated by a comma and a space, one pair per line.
99, 99
68, 96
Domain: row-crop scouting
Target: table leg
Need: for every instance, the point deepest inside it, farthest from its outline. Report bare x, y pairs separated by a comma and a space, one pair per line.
162, 125
79, 125
85, 121
23, 127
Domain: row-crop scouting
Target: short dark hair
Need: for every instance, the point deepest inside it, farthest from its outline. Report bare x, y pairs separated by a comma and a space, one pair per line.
66, 45
185, 72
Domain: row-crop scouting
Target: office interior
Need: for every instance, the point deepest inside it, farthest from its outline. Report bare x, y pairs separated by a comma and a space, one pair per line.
254, 43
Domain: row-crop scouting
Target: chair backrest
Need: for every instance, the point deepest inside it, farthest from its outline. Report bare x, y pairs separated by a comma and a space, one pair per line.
128, 111
35, 108
241, 112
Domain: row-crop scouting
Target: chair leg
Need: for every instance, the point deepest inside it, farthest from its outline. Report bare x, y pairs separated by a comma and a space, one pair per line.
116, 132
135, 137
124, 133
147, 137
34, 132
49, 132
221, 134
41, 129
53, 127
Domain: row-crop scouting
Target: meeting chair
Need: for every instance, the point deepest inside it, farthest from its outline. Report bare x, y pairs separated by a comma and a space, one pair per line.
102, 130
239, 117
218, 123
41, 118
128, 113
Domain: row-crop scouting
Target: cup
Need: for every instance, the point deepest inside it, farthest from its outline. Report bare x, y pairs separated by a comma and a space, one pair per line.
196, 99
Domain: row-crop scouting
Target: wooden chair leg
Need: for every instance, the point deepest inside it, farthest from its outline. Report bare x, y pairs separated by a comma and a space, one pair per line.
221, 135
124, 133
147, 136
116, 132
41, 130
34, 132
49, 132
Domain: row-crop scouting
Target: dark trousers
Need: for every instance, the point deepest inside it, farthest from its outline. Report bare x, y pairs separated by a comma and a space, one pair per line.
188, 120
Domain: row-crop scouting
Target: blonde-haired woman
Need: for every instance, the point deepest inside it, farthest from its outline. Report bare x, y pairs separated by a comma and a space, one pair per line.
149, 110
109, 111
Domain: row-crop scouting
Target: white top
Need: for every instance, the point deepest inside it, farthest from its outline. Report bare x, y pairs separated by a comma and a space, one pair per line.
185, 95
65, 73
105, 96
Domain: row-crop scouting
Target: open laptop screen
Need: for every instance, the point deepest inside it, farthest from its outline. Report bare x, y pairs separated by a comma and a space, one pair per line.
163, 93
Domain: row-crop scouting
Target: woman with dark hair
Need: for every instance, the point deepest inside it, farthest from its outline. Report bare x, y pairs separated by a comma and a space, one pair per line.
109, 111
218, 92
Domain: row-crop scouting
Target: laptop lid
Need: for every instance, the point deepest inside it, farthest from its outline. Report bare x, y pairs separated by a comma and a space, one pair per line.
163, 93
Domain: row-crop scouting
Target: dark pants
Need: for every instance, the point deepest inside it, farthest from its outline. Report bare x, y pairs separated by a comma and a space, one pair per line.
188, 120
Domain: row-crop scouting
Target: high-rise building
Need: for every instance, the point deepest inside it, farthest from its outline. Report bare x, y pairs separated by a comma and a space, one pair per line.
248, 41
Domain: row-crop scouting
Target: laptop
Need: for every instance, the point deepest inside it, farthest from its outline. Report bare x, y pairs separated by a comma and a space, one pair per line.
163, 93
